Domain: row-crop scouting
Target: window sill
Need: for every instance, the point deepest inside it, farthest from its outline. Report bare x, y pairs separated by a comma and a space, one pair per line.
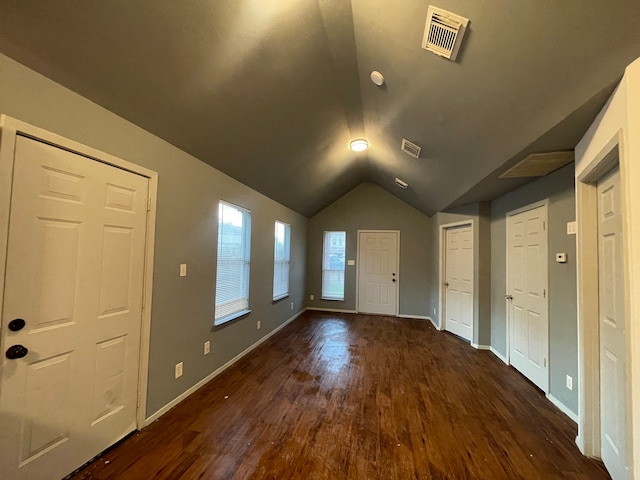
221, 322
280, 297
332, 299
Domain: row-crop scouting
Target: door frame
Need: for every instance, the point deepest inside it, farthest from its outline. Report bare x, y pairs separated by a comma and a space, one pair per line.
398, 281
10, 129
443, 273
589, 431
542, 203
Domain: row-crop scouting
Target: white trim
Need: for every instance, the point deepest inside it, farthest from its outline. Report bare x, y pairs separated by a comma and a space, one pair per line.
589, 428
562, 407
336, 310
397, 232
10, 128
152, 418
480, 347
417, 317
532, 206
499, 355
442, 272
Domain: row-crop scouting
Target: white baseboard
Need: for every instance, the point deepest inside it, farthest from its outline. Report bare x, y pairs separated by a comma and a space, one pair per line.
417, 317
480, 347
336, 310
562, 407
499, 355
217, 372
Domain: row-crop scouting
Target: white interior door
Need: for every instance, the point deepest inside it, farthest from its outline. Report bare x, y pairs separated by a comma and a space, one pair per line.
378, 272
612, 327
527, 295
459, 281
74, 275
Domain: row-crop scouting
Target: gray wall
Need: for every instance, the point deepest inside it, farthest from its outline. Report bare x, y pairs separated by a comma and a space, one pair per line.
480, 214
559, 188
186, 232
370, 207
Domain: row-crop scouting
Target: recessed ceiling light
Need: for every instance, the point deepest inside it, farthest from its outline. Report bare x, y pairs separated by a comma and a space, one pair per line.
359, 145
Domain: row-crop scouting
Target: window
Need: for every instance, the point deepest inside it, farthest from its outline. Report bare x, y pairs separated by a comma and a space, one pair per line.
281, 259
333, 265
232, 274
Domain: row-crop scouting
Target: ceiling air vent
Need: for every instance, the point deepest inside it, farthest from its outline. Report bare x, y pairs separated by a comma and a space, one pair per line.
410, 148
444, 32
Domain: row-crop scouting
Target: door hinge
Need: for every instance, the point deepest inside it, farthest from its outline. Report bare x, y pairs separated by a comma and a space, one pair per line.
149, 204
544, 293
545, 363
544, 225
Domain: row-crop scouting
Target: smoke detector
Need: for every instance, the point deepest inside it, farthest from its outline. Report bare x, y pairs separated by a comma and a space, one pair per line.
443, 32
377, 78
410, 148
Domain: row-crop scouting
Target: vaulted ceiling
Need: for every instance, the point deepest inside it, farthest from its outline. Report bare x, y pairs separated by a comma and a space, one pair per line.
271, 92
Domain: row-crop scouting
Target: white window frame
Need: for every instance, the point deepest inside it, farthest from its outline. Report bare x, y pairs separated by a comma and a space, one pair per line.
239, 306
281, 262
327, 271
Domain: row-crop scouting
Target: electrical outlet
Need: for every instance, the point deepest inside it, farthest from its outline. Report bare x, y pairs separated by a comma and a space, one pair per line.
291, 305
569, 382
258, 325
312, 297
179, 369
207, 347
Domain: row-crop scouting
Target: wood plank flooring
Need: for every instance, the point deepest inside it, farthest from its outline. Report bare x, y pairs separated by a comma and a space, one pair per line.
357, 397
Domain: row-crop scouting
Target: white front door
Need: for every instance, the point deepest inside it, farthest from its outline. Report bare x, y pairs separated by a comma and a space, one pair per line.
527, 294
378, 272
613, 411
73, 301
459, 281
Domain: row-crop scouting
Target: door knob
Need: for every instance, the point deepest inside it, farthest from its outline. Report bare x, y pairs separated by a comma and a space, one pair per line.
16, 324
446, 284
394, 280
16, 351
508, 297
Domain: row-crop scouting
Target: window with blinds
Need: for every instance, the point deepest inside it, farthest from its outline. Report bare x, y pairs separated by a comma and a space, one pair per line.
232, 274
333, 255
281, 260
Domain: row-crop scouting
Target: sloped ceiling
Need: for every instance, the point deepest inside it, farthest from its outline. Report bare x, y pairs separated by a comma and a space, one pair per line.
271, 92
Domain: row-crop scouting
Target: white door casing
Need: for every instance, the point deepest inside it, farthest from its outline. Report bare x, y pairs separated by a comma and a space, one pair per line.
458, 281
75, 272
526, 297
613, 395
378, 275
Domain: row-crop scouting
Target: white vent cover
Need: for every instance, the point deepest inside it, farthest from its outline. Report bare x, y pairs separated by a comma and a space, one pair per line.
444, 32
401, 183
410, 148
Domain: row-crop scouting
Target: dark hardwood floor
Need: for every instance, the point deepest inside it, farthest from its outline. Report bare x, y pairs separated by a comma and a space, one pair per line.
357, 397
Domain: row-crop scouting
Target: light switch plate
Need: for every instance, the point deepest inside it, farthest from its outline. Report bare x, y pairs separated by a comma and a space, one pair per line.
351, 262
572, 227
183, 269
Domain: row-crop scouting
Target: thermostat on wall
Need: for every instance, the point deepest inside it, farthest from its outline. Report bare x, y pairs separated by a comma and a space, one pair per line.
561, 257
